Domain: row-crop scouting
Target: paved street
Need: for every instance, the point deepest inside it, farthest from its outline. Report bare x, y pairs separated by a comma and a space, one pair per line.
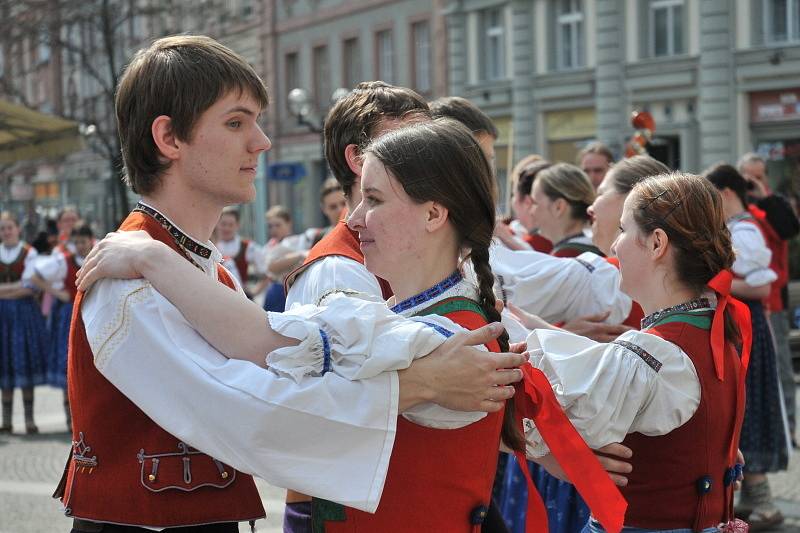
30, 467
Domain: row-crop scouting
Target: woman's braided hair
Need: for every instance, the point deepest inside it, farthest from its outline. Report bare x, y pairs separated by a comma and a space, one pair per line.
440, 161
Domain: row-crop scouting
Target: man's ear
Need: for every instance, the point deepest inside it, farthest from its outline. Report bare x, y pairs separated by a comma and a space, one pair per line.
164, 138
437, 216
353, 158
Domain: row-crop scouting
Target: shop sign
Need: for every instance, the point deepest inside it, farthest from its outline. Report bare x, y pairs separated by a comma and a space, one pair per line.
775, 106
572, 124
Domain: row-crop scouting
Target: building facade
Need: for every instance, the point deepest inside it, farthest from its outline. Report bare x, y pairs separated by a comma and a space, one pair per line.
721, 78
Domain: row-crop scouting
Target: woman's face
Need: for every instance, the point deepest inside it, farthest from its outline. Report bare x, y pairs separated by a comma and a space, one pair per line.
521, 206
279, 228
630, 247
9, 232
544, 212
605, 214
390, 225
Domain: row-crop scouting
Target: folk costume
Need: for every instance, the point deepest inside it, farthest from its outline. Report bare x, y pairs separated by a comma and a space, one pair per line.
674, 392
60, 270
242, 254
149, 393
575, 245
764, 435
420, 494
22, 327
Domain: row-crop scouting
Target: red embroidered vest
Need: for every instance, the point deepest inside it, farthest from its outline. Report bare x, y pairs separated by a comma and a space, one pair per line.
438, 480
680, 479
124, 469
343, 241
12, 272
241, 260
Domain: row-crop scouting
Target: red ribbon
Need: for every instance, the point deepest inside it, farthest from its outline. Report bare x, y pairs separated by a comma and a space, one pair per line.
535, 400
721, 284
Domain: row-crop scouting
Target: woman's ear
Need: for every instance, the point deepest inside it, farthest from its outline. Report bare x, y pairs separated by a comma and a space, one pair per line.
437, 216
164, 138
561, 206
353, 158
659, 242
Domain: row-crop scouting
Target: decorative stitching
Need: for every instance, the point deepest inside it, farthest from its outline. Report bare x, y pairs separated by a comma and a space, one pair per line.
651, 361
437, 290
588, 265
80, 455
444, 332
326, 352
116, 330
183, 240
346, 292
692, 305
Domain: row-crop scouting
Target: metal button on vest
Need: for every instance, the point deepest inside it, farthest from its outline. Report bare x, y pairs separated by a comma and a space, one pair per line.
478, 515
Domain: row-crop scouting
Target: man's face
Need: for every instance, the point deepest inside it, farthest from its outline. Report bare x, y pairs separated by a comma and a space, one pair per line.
221, 157
332, 206
227, 227
595, 166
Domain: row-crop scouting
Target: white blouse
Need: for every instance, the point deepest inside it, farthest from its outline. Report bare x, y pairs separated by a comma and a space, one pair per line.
752, 253
343, 350
559, 288
53, 268
637, 383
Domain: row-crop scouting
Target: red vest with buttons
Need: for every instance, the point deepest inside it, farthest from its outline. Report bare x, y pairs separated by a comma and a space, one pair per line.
124, 469
241, 260
438, 479
679, 479
72, 275
343, 241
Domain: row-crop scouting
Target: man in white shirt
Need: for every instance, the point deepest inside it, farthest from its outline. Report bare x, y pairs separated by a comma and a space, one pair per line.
197, 105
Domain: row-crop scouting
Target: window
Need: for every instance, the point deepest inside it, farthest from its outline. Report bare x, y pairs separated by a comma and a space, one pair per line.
493, 44
43, 49
320, 63
384, 50
421, 35
569, 38
666, 28
291, 72
781, 20
352, 63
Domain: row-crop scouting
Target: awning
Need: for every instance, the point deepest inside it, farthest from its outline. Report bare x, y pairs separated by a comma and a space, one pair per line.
27, 134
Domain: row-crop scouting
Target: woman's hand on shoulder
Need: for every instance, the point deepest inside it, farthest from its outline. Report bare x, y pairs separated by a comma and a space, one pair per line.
121, 255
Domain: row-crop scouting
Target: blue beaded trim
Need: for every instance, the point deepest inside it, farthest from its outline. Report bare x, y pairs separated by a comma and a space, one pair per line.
651, 361
437, 290
326, 352
446, 333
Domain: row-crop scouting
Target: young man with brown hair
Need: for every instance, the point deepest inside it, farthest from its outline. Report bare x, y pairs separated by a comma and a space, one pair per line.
595, 159
151, 396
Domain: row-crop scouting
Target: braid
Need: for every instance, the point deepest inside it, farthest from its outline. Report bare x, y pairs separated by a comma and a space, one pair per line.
511, 433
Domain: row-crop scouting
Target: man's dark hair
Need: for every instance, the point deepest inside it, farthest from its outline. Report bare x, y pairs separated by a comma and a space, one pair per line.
82, 230
465, 112
354, 118
598, 148
180, 77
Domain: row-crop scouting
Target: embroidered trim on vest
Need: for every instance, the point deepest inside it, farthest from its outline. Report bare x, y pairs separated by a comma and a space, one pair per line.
80, 455
449, 282
692, 305
651, 361
587, 264
183, 240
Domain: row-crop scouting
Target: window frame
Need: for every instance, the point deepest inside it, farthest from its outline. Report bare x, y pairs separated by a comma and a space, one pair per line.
792, 23
669, 6
576, 19
385, 58
489, 35
421, 57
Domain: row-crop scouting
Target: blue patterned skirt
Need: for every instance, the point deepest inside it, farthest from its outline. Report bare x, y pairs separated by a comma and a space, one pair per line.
763, 441
60, 318
275, 298
22, 344
566, 511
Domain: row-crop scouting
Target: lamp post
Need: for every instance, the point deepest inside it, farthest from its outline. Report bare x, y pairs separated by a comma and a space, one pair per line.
300, 108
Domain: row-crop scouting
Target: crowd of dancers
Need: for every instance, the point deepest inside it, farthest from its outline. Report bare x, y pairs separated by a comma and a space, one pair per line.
648, 300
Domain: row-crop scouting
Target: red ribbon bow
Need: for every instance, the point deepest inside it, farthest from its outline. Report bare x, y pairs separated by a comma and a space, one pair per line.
534, 399
721, 285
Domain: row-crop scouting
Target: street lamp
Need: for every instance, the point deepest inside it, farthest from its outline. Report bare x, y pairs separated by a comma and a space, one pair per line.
300, 108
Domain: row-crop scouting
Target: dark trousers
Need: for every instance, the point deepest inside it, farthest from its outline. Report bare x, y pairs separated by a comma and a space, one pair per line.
85, 526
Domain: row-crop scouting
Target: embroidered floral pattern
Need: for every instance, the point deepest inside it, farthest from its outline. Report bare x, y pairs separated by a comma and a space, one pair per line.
651, 361
429, 294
